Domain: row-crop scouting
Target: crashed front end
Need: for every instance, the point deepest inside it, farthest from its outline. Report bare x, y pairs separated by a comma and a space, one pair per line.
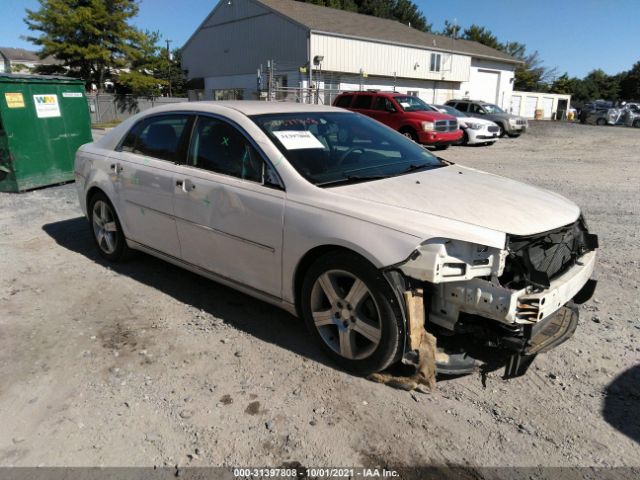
518, 301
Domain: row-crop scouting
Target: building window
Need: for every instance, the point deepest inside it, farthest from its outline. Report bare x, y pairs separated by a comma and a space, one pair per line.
228, 94
436, 62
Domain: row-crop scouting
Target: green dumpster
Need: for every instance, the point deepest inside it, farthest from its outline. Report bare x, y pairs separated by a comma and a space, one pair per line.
43, 121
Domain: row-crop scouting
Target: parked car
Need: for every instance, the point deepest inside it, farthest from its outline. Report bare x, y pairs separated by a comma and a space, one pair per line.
619, 115
475, 131
595, 113
633, 118
344, 222
511, 125
407, 114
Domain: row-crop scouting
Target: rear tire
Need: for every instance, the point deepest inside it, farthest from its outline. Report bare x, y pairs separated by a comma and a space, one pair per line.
352, 312
441, 147
106, 229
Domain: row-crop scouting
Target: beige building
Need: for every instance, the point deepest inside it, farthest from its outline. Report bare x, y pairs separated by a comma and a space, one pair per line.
19, 60
338, 50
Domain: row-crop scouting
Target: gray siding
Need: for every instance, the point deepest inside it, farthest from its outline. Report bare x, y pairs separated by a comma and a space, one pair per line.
235, 39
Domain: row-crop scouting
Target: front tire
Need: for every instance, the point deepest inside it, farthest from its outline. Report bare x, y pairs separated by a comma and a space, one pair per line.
352, 312
106, 230
410, 133
441, 147
513, 135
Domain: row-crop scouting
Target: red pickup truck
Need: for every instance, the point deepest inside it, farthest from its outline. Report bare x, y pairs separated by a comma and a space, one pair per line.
405, 113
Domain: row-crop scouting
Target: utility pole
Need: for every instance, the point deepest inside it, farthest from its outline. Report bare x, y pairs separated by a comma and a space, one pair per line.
169, 63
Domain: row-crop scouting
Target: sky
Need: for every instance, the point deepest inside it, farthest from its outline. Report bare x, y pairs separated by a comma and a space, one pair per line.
576, 36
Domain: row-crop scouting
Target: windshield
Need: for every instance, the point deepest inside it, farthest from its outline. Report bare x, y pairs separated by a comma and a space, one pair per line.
491, 108
451, 111
335, 148
410, 103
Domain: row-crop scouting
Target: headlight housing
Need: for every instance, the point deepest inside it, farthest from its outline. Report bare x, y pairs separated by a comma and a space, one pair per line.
474, 126
428, 126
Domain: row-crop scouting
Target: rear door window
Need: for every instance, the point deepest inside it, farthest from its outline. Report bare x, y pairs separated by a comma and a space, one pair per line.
344, 101
462, 106
363, 102
159, 137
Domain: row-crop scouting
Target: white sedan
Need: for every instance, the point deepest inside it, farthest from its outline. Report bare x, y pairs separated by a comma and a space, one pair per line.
475, 131
344, 222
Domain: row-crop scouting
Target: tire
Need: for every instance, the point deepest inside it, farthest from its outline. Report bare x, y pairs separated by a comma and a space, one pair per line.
513, 135
636, 123
441, 147
376, 313
502, 131
410, 133
106, 230
465, 139
601, 122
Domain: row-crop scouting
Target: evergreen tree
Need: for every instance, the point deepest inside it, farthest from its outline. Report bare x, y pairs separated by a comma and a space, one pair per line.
91, 37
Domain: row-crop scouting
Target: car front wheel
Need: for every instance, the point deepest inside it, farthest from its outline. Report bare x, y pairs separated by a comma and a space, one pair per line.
351, 311
106, 229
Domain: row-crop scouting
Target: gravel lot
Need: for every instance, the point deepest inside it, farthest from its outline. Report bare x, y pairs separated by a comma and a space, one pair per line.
145, 364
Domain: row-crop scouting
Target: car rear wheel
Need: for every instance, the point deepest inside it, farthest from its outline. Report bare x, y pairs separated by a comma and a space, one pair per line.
106, 229
351, 311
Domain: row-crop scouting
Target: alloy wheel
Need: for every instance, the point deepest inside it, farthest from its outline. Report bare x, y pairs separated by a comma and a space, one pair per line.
346, 314
105, 228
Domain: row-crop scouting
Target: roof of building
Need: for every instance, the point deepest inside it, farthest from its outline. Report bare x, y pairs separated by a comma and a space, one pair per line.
357, 25
20, 55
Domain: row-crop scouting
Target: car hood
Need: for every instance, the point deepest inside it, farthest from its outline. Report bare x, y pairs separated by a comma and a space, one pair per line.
428, 115
481, 121
502, 116
470, 196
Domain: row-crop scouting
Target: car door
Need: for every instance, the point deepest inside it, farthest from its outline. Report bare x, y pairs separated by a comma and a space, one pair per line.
386, 112
363, 104
476, 110
229, 207
143, 167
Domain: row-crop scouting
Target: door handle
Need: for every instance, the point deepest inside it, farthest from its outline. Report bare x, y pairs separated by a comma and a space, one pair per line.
117, 168
186, 185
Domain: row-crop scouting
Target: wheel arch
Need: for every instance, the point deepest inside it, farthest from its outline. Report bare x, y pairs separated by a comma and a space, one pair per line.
309, 258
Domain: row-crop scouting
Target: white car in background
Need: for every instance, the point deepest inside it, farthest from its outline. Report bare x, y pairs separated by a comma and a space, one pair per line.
344, 222
476, 131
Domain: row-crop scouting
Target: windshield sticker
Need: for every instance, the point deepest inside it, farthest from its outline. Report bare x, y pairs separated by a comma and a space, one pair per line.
405, 104
298, 139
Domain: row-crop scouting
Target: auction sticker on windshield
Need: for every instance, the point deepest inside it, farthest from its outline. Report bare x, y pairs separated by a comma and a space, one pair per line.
298, 139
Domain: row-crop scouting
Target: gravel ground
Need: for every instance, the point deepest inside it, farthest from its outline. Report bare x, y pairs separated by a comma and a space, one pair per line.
146, 364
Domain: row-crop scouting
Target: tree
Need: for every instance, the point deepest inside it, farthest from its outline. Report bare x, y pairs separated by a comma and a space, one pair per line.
598, 85
91, 37
404, 11
451, 29
481, 35
630, 84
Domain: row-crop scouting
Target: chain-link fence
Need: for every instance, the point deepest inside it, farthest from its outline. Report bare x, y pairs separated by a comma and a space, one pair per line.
106, 108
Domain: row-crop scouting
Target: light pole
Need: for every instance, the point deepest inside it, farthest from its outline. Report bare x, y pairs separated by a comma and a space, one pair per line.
169, 64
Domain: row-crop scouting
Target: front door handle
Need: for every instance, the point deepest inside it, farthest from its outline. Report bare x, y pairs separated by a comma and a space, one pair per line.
186, 185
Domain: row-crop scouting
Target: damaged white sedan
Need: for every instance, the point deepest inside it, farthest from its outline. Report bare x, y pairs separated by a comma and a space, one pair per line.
346, 223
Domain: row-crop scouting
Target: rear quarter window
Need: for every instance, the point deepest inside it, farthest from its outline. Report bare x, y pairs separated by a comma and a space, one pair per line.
363, 101
344, 101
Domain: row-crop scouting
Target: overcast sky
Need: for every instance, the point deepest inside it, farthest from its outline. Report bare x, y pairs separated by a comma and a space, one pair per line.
576, 36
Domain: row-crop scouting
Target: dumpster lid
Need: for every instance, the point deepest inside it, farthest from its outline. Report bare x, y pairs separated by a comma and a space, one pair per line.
23, 78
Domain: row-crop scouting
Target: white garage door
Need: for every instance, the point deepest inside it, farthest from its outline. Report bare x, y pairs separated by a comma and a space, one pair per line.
547, 106
530, 106
516, 102
484, 86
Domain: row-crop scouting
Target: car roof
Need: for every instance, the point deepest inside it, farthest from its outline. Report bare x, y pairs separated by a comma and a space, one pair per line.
247, 107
